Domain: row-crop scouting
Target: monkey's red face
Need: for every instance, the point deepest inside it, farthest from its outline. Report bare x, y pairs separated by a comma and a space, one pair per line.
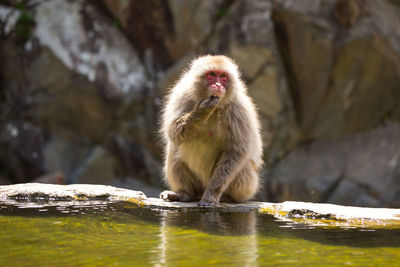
217, 82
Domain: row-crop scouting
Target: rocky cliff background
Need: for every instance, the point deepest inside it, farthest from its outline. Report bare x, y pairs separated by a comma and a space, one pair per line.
82, 83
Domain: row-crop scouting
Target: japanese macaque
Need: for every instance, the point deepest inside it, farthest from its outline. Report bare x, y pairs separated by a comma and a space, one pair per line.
212, 135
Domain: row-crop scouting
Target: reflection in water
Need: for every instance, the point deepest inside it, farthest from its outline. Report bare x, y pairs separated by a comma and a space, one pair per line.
123, 234
336, 236
241, 224
213, 222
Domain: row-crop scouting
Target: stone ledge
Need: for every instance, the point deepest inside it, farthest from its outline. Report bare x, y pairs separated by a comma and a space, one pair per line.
330, 215
297, 212
38, 191
248, 206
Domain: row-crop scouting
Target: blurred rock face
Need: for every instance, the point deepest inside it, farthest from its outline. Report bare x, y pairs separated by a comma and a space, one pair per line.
341, 80
81, 84
74, 94
360, 169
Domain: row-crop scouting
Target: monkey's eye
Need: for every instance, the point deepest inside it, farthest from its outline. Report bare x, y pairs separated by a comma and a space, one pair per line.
222, 75
213, 74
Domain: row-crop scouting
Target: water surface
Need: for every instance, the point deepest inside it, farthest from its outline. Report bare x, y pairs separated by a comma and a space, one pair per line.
123, 234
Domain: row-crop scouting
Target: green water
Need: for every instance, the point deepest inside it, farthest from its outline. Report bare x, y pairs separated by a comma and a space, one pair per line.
121, 234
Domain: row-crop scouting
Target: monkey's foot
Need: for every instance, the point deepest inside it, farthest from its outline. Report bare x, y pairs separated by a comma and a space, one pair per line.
206, 203
168, 195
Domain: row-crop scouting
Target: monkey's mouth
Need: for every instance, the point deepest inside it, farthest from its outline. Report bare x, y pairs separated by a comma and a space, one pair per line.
217, 91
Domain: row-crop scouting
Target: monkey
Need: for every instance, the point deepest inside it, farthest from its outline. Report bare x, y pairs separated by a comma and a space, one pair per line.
212, 134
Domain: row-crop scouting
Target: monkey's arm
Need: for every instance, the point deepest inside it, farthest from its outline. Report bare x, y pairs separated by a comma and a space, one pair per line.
231, 161
187, 125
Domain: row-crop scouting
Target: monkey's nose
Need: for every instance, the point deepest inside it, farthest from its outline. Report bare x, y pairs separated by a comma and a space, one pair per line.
218, 84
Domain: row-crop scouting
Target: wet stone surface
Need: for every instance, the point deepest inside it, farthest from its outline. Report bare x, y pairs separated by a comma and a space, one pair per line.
45, 195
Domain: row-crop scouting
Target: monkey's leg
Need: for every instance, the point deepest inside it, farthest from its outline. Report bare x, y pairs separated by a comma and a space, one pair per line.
182, 182
228, 167
245, 185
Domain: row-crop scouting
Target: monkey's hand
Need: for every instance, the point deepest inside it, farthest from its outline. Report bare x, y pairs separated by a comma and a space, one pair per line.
206, 106
207, 201
209, 102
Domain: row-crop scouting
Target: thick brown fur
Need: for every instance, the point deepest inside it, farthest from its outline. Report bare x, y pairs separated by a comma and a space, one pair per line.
213, 145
